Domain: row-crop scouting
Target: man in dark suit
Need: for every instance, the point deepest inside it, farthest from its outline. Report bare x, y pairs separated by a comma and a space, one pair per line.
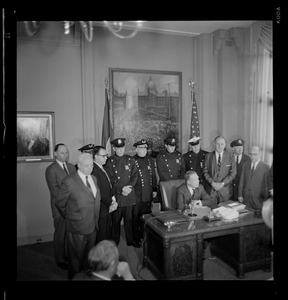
123, 174
255, 183
220, 171
105, 264
170, 162
145, 187
191, 190
240, 158
195, 158
54, 175
107, 196
78, 201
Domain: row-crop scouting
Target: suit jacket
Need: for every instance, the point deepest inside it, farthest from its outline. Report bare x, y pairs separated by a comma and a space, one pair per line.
78, 205
122, 171
226, 173
183, 196
54, 175
254, 189
238, 175
105, 190
170, 166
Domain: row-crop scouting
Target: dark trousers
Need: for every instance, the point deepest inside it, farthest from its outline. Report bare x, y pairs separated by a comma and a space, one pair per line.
139, 209
59, 240
105, 227
78, 246
125, 213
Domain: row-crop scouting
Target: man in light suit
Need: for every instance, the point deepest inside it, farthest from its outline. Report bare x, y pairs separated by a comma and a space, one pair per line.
78, 201
107, 193
54, 175
191, 190
219, 171
255, 183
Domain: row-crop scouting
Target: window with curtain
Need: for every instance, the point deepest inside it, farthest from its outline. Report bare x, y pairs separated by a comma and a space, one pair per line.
261, 131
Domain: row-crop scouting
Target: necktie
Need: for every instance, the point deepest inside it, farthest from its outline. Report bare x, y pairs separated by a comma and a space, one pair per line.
219, 161
65, 169
237, 160
88, 185
252, 169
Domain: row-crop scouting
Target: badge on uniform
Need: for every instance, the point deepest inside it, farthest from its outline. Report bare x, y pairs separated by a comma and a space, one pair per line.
177, 161
148, 167
126, 167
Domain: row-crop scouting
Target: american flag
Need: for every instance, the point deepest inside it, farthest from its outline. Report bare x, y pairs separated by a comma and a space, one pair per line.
195, 131
106, 127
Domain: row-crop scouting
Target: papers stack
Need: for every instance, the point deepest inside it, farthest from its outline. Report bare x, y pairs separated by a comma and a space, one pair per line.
237, 206
227, 213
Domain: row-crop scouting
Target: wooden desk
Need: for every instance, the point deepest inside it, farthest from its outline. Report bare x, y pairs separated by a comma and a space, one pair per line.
177, 252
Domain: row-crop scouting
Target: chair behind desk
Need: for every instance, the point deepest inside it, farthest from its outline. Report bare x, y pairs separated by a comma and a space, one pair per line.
168, 193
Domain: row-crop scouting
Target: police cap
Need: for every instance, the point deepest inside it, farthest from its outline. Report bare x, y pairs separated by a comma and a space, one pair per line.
170, 140
140, 143
87, 148
195, 140
238, 142
119, 142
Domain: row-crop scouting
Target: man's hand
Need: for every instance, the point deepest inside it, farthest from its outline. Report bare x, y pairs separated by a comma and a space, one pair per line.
217, 185
123, 270
240, 199
126, 190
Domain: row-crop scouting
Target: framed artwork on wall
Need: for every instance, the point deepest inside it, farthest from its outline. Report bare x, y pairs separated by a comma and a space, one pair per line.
145, 104
35, 136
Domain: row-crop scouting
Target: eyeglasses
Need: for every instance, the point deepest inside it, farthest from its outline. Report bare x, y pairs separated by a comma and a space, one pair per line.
103, 155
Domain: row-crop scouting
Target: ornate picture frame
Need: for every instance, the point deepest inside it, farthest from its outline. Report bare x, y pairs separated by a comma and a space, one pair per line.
146, 104
35, 136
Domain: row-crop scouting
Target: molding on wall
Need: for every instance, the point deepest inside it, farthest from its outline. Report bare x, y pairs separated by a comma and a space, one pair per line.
40, 238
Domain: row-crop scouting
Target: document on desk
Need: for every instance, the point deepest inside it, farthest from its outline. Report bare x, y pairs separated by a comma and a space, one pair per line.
171, 216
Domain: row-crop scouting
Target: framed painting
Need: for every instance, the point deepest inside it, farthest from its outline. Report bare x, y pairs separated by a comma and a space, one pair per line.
35, 136
145, 105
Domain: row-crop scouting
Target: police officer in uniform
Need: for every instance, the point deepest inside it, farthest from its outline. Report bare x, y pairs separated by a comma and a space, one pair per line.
123, 174
170, 162
240, 158
195, 158
145, 188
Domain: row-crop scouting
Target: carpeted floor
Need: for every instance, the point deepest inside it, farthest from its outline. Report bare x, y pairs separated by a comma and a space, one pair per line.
35, 262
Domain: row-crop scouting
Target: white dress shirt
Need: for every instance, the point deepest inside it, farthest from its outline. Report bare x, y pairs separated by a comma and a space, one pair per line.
90, 180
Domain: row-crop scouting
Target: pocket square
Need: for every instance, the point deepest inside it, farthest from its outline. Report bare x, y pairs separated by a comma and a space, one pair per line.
228, 165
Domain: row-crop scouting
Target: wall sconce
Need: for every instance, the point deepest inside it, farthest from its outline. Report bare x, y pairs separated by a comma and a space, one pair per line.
32, 28
117, 26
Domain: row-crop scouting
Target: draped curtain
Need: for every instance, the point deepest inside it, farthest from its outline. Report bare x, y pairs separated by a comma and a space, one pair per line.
261, 130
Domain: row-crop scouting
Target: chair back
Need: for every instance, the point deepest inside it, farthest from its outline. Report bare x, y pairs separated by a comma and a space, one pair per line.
168, 193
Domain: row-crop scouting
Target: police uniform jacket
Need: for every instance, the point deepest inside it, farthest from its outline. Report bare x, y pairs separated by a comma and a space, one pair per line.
122, 171
170, 166
146, 182
195, 162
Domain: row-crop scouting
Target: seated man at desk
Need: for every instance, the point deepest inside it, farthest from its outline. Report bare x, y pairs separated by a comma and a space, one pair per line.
192, 190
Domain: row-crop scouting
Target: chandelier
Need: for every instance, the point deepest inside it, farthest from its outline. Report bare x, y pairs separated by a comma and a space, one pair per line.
116, 27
